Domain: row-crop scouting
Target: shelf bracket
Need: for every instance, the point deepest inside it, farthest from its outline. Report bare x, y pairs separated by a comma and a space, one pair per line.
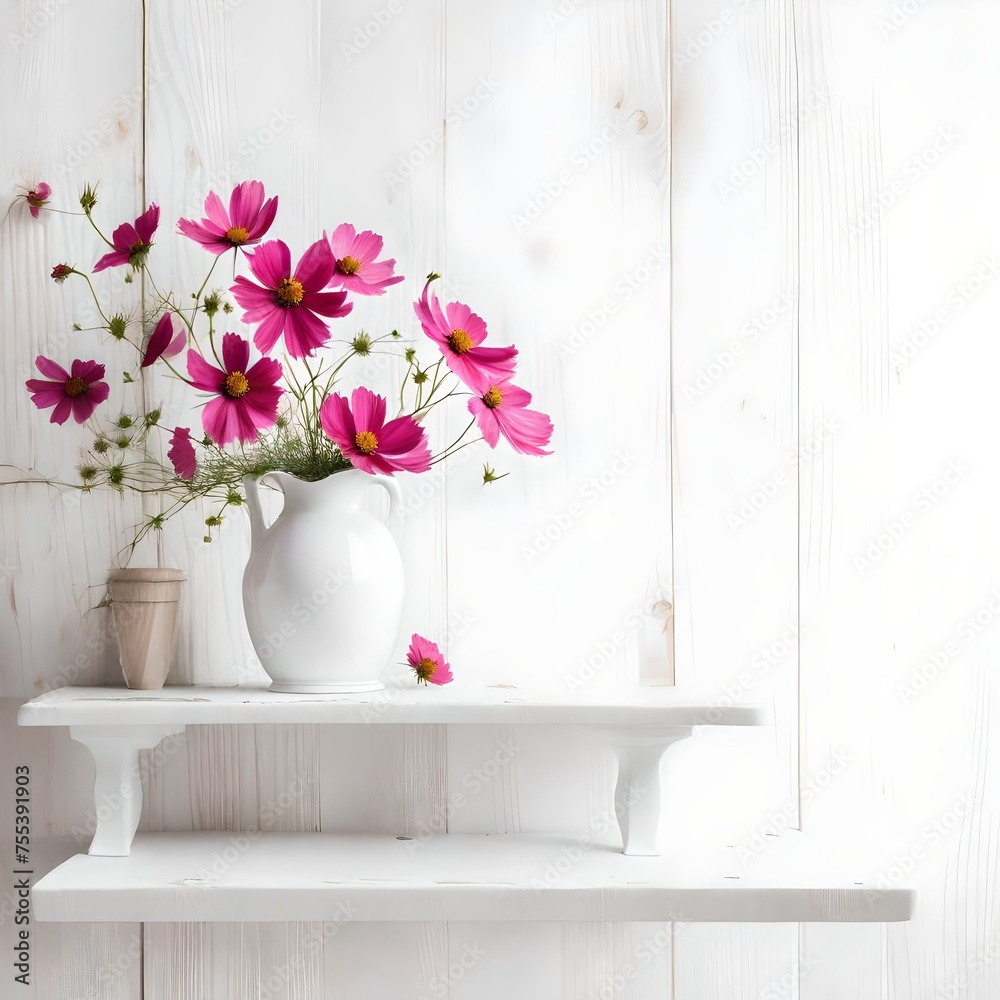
638, 790
118, 781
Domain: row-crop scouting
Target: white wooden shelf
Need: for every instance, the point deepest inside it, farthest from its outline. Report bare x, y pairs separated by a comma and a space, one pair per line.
458, 877
201, 706
116, 723
307, 876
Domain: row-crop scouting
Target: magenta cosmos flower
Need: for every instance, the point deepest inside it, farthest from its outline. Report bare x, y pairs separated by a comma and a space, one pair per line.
246, 399
290, 302
367, 441
248, 219
459, 333
181, 453
77, 391
132, 242
166, 341
427, 661
501, 408
356, 267
37, 198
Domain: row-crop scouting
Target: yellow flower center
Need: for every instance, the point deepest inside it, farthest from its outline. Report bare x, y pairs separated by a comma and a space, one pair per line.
237, 236
366, 442
76, 387
236, 385
493, 398
290, 292
426, 668
459, 341
348, 265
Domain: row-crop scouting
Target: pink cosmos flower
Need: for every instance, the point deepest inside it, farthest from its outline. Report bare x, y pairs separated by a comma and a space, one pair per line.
37, 198
357, 269
132, 243
246, 398
78, 391
181, 453
427, 661
166, 341
501, 408
290, 302
248, 219
459, 332
367, 441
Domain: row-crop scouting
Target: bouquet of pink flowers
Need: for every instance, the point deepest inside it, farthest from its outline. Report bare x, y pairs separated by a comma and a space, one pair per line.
263, 412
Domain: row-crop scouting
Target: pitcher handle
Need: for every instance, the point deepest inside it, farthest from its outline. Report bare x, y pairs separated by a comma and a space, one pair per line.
258, 529
392, 488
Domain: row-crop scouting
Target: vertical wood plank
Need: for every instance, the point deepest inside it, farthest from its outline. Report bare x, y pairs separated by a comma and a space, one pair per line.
220, 121
737, 119
56, 546
898, 538
563, 248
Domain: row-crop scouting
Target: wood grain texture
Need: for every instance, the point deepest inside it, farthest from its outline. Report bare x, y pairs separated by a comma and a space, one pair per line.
735, 128
898, 543
57, 546
790, 120
556, 147
564, 248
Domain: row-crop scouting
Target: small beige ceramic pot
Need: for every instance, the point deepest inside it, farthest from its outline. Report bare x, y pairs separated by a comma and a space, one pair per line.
144, 603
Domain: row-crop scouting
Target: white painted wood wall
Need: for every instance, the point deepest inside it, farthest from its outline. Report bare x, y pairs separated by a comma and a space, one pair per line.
820, 352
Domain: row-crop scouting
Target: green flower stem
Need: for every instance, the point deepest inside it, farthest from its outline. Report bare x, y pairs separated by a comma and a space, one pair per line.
436, 383
456, 445
211, 343
86, 277
290, 372
312, 418
96, 230
197, 298
173, 369
430, 405
402, 389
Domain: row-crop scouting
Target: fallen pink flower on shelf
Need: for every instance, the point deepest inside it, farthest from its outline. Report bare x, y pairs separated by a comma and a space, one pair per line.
78, 391
166, 341
501, 408
290, 302
132, 242
249, 218
246, 399
427, 661
357, 268
369, 443
459, 333
181, 453
37, 198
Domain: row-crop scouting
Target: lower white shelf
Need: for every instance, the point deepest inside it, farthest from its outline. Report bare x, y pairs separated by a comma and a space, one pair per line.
185, 877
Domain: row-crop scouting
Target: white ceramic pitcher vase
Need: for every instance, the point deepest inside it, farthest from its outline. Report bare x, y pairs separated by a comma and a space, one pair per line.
323, 589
